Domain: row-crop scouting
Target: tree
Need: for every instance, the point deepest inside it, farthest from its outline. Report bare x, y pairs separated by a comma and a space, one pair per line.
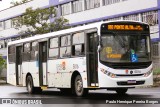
38, 21
2, 64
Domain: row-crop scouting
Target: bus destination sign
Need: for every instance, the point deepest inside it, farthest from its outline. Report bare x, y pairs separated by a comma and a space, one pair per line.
125, 27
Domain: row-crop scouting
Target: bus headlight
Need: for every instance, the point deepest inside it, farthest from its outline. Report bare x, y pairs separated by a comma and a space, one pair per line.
108, 73
148, 73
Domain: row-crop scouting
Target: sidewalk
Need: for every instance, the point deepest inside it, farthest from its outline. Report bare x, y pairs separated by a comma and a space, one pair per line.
3, 82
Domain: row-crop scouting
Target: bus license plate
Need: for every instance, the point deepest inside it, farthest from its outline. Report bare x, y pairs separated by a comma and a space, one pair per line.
131, 81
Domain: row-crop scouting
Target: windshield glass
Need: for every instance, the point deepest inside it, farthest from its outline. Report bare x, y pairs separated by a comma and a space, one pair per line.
117, 47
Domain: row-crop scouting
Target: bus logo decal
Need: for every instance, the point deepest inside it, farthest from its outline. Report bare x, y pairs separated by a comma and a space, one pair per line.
126, 71
131, 72
61, 66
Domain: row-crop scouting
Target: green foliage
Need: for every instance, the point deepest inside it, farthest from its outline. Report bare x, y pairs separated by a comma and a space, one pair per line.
156, 71
2, 64
38, 21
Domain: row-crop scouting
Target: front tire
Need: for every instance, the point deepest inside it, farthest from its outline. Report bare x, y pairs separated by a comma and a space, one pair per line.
121, 91
78, 87
30, 86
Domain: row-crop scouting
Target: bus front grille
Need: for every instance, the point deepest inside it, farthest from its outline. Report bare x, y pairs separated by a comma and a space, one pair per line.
126, 83
128, 75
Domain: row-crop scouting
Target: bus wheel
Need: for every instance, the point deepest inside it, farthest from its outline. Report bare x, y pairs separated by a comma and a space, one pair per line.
122, 90
30, 87
78, 87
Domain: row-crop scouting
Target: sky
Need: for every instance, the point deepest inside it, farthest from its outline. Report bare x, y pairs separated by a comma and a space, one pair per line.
6, 3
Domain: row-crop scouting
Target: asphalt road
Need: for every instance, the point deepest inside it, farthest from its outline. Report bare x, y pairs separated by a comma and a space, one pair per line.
96, 98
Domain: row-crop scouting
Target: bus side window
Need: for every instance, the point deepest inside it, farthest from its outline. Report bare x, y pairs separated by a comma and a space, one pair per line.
26, 52
11, 54
34, 51
65, 49
78, 44
54, 48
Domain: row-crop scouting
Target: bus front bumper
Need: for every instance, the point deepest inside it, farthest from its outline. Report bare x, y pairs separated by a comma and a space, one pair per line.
125, 82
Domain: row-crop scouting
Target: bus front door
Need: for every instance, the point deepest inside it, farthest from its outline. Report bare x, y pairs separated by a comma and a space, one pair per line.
92, 59
43, 63
19, 76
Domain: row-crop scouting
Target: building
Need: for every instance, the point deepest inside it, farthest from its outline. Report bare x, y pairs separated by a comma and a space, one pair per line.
80, 12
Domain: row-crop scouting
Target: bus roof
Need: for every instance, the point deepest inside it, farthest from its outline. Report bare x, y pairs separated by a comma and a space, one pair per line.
53, 34
66, 31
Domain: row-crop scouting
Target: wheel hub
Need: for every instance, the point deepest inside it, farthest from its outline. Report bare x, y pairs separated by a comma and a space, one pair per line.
79, 86
29, 86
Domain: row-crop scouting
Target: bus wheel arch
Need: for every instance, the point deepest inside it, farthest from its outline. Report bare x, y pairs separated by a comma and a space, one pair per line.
30, 85
28, 74
77, 85
75, 73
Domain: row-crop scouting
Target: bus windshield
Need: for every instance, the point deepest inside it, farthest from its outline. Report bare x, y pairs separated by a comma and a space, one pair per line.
125, 47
